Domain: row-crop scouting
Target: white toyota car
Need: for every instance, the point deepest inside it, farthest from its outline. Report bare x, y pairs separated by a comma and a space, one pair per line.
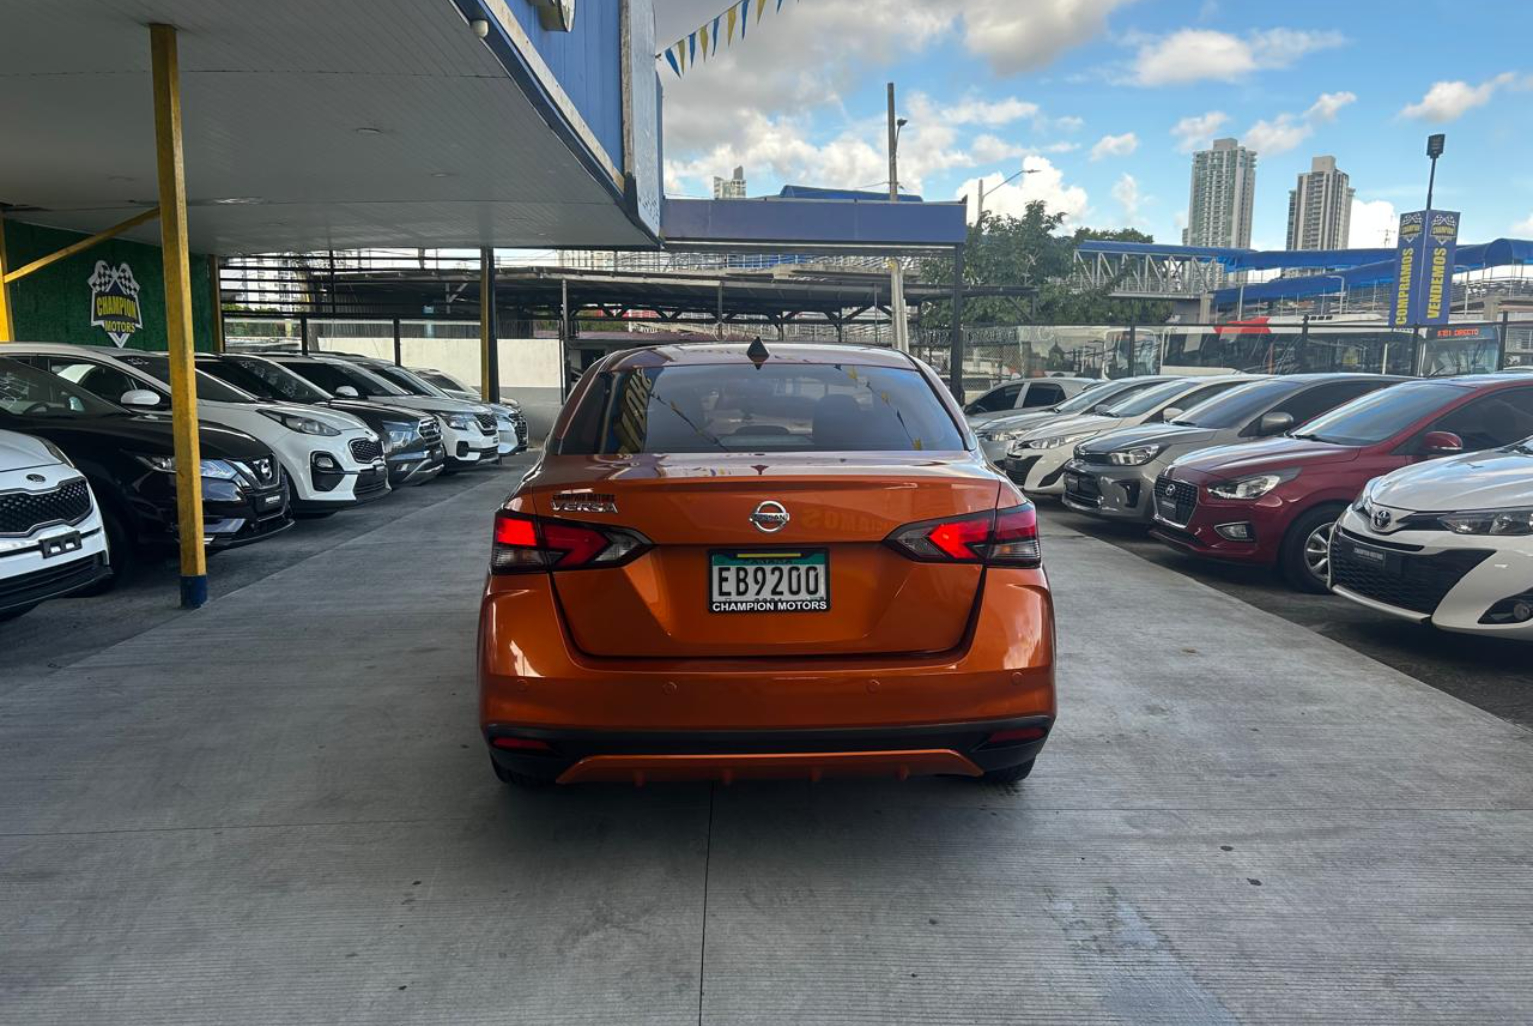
1448, 542
332, 459
51, 541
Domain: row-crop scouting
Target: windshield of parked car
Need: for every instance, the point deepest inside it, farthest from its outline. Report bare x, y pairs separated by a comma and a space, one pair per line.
410, 382
26, 391
208, 387
1380, 415
1147, 401
785, 407
444, 381
1237, 406
264, 380
333, 376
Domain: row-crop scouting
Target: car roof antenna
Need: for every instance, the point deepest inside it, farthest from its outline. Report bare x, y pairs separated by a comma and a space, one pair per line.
757, 353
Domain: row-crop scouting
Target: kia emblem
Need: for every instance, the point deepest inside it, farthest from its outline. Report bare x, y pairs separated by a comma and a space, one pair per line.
770, 517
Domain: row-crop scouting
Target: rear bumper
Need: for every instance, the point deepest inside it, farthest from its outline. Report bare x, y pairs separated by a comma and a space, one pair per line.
533, 682
640, 757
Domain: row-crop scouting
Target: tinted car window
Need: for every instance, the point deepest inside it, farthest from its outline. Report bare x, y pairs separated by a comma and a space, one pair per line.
1003, 398
1238, 405
334, 376
1380, 415
406, 380
1312, 402
267, 380
208, 387
107, 382
1490, 421
26, 391
1145, 401
782, 408
1042, 394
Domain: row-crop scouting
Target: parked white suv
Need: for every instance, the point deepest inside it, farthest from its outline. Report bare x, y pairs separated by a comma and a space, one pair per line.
51, 540
1447, 542
332, 459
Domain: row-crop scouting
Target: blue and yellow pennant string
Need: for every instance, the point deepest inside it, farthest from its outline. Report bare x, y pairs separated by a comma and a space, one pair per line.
726, 25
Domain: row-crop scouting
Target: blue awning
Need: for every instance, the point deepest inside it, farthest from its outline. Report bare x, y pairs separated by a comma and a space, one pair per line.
814, 223
1499, 253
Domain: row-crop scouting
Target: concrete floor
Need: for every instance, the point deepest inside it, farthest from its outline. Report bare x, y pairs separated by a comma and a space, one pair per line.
276, 810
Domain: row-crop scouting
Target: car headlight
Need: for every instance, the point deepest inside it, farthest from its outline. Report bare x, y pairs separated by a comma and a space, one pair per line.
301, 424
1503, 522
57, 453
1138, 456
218, 470
1053, 442
1252, 487
398, 433
460, 421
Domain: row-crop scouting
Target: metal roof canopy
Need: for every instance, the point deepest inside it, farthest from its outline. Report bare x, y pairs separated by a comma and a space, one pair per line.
334, 125
538, 292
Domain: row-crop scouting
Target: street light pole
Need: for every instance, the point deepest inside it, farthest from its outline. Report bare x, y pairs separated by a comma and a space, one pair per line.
897, 312
980, 213
1343, 282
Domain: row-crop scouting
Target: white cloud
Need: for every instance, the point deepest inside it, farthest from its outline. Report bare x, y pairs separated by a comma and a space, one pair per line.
1195, 131
1523, 229
1373, 223
1193, 55
1286, 131
1045, 182
990, 149
1448, 101
1115, 146
1126, 191
1015, 37
985, 112
1069, 123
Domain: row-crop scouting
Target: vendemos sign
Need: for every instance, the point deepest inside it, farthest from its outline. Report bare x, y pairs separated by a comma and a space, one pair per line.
114, 302
1427, 242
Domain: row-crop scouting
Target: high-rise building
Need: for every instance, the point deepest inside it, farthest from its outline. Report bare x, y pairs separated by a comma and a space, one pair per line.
1223, 187
730, 188
1320, 208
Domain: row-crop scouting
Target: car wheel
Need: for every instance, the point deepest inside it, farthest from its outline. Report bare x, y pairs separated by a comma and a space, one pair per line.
120, 551
1009, 774
516, 779
1306, 557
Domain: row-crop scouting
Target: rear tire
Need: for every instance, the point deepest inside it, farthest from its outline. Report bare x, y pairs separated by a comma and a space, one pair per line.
120, 552
1009, 774
515, 779
1305, 559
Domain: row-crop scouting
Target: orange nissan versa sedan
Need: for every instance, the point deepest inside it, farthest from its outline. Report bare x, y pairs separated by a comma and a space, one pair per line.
738, 562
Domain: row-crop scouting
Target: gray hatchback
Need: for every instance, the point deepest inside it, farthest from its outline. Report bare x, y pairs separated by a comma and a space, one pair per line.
1113, 475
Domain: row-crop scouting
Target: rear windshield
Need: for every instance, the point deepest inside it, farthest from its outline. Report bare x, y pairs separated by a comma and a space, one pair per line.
777, 408
1381, 415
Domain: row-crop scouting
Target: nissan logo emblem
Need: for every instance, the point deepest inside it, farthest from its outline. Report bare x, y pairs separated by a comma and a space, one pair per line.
1381, 519
770, 517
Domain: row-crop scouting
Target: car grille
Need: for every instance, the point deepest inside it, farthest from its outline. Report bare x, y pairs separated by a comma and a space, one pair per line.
24, 512
366, 450
1182, 496
1407, 580
50, 581
430, 429
487, 421
262, 471
1018, 467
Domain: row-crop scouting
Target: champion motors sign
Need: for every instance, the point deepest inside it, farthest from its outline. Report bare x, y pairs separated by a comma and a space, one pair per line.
114, 302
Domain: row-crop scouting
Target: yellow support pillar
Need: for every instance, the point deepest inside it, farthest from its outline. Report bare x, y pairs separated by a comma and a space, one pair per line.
7, 328
166, 72
218, 303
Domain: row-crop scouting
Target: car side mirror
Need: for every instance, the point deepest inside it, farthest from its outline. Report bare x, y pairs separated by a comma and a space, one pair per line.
347, 392
1170, 413
1274, 424
1441, 443
142, 398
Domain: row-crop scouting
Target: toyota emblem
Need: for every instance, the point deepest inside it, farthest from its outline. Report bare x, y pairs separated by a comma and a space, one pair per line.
1381, 519
770, 517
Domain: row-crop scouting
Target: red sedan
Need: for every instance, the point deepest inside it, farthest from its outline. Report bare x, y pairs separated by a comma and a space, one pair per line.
1274, 503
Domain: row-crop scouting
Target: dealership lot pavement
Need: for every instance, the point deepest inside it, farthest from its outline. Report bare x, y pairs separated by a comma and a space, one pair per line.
276, 810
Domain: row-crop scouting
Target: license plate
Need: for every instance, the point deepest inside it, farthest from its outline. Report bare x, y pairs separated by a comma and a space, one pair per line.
1378, 559
769, 581
1166, 508
269, 501
60, 544
1073, 482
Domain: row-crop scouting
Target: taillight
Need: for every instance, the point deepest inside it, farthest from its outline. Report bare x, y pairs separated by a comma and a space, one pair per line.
527, 544
1003, 537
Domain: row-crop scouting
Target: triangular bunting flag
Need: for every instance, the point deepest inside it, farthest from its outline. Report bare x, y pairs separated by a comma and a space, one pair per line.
745, 16
703, 32
760, 6
716, 32
692, 47
733, 12
671, 56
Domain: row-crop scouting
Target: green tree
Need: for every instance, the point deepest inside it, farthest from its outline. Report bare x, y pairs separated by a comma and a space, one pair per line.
1029, 252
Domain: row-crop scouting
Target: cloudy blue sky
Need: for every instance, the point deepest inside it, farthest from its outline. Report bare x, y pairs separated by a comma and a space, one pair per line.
1105, 99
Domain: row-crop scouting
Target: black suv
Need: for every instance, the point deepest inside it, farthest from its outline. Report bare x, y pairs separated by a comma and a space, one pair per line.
129, 460
412, 440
